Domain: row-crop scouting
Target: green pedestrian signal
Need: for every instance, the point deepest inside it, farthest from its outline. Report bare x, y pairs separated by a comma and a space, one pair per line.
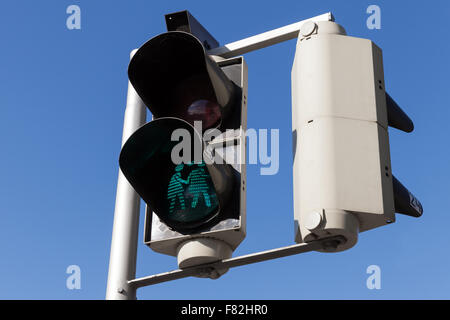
193, 198
186, 196
176, 190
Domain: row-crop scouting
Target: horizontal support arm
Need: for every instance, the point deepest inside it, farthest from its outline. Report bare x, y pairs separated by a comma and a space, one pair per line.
325, 244
265, 39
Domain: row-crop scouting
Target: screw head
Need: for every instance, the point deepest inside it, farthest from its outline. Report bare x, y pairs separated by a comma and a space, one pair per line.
308, 28
313, 220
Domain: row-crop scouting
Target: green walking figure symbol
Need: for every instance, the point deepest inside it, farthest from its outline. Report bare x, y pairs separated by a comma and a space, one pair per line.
176, 189
198, 184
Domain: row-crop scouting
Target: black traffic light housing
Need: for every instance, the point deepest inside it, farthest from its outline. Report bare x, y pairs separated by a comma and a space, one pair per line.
181, 84
172, 70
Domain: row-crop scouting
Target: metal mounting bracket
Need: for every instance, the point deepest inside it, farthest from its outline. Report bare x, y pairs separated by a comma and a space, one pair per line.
265, 39
328, 244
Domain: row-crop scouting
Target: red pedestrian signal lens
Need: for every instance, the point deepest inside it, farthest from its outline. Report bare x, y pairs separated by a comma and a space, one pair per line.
207, 112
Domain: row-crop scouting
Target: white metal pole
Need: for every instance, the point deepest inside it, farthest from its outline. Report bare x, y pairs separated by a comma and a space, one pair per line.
122, 261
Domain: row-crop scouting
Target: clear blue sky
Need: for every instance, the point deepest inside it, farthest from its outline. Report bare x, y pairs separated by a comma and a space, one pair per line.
62, 98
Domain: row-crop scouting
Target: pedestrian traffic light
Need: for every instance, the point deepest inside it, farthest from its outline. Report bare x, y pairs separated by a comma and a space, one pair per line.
343, 182
188, 164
